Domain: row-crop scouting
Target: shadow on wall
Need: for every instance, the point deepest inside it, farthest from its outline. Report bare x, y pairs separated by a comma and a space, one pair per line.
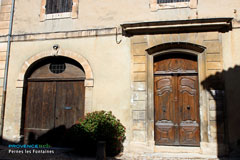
224, 104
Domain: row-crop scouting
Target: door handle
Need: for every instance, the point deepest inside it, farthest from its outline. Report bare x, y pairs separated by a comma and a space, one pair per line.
188, 107
67, 108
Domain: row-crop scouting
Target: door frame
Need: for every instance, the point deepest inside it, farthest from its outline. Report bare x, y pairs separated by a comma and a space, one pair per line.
203, 111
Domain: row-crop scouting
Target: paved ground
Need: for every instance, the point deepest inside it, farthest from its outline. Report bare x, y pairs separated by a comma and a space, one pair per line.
67, 154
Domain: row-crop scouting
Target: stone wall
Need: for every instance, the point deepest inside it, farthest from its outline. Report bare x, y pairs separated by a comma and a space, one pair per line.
5, 9
142, 105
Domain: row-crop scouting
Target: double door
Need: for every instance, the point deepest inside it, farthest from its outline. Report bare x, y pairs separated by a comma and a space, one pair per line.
176, 109
50, 105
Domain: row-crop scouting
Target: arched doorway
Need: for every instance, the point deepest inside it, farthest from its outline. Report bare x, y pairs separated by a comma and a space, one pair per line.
176, 104
54, 96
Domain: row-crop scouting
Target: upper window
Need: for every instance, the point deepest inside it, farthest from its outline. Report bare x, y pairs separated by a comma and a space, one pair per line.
55, 9
167, 4
58, 6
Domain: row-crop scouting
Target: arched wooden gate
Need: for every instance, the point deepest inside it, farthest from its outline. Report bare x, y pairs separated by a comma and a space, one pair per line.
54, 96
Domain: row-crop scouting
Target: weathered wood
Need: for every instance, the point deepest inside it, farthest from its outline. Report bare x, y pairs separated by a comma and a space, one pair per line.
69, 103
176, 100
40, 107
54, 102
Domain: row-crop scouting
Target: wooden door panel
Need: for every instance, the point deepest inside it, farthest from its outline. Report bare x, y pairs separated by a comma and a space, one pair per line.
69, 102
165, 132
164, 110
189, 133
189, 110
40, 108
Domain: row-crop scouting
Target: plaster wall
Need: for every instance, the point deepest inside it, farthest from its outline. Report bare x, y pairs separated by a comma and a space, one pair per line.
103, 14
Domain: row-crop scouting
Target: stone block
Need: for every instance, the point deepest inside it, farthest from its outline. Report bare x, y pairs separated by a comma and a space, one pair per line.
139, 136
6, 2
214, 65
138, 39
212, 105
139, 49
213, 72
139, 125
138, 105
2, 73
139, 59
139, 67
139, 96
6, 8
216, 57
212, 46
3, 56
211, 36
139, 86
4, 31
212, 115
19, 84
139, 77
4, 24
4, 16
139, 115
213, 126
89, 83
2, 64
213, 137
183, 37
3, 47
193, 4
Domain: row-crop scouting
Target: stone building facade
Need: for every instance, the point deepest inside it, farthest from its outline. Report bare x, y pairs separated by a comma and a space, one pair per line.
117, 49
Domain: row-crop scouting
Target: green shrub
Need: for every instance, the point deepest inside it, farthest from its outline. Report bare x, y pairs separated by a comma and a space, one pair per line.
98, 126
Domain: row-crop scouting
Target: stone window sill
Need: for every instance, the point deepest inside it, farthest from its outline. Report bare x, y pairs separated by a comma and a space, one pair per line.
154, 6
58, 15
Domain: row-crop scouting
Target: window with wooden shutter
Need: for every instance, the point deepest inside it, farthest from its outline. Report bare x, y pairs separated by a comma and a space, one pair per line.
58, 6
58, 9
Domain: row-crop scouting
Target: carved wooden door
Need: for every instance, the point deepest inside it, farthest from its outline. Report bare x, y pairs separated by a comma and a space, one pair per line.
176, 101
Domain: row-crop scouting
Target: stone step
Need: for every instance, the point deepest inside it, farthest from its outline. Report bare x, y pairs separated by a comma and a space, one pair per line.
167, 156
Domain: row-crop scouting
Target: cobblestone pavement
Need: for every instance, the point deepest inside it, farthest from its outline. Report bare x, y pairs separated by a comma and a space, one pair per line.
67, 154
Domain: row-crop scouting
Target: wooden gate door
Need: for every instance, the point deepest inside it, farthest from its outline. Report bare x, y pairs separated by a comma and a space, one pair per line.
40, 109
69, 102
55, 97
52, 104
176, 101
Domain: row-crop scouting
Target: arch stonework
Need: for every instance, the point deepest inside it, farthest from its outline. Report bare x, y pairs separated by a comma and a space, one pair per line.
88, 83
80, 59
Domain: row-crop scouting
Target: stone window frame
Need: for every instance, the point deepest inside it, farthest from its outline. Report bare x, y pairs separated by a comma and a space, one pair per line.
73, 14
154, 6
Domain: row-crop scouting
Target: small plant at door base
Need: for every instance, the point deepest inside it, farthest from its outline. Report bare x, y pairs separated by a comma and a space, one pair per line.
99, 126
